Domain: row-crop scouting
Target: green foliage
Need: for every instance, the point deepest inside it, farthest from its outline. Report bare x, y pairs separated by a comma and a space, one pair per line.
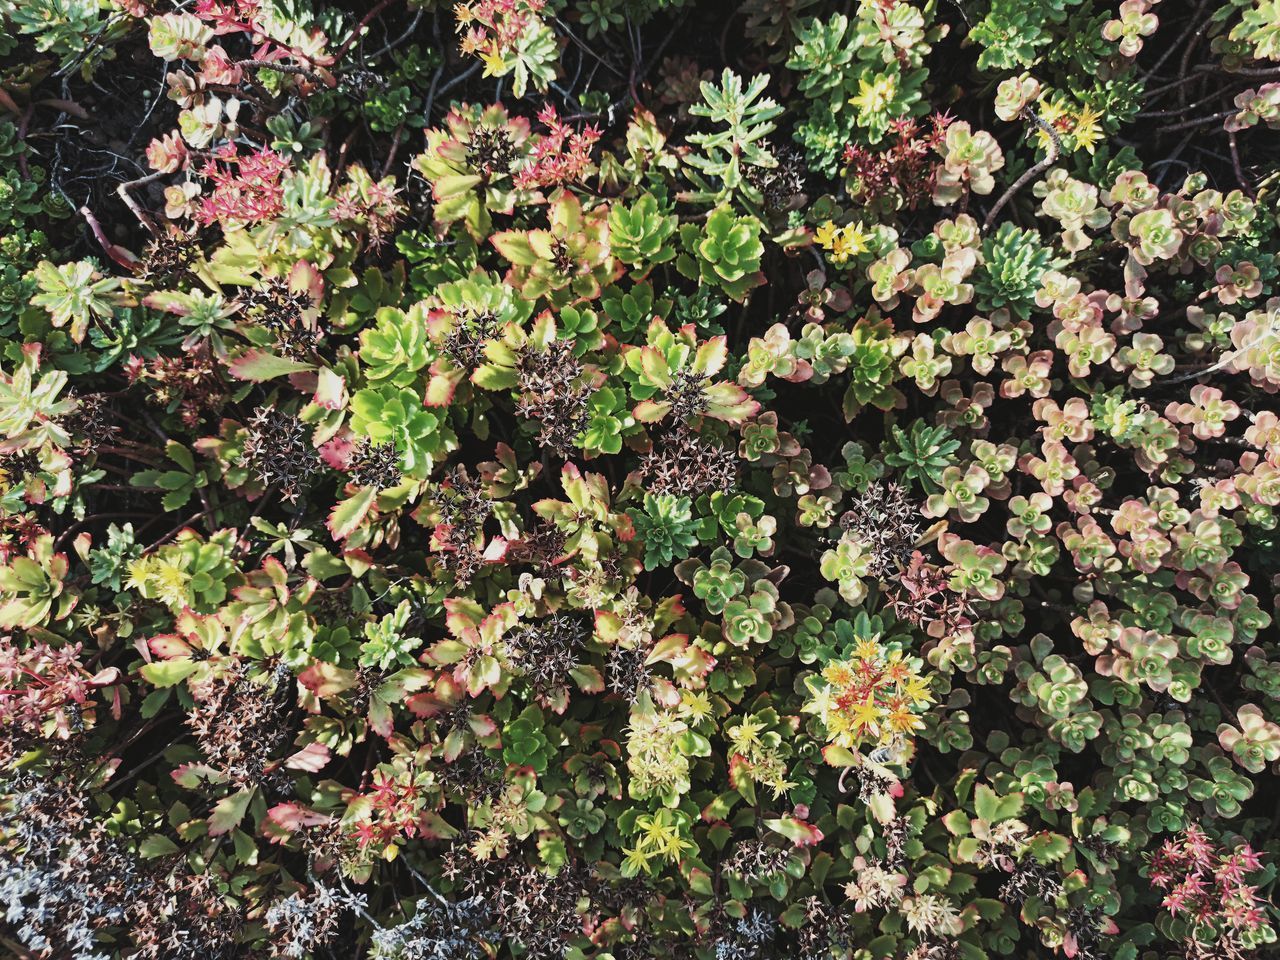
512, 480
1014, 262
665, 528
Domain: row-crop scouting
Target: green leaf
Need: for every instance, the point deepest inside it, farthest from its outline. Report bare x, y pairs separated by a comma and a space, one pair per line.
156, 845
258, 365
229, 811
166, 673
347, 515
985, 803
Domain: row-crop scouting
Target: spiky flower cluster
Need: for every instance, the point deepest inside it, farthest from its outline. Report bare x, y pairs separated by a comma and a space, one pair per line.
247, 188
874, 696
278, 449
1209, 888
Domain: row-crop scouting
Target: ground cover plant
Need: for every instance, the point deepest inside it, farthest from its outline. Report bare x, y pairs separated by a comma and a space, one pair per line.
607, 479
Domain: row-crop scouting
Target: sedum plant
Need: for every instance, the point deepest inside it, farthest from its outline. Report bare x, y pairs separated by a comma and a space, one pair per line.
621, 479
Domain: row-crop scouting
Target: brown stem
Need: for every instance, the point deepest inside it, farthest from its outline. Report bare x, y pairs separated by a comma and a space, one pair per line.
66, 106
1185, 65
1256, 72
23, 169
1050, 158
289, 68
1178, 111
395, 146
174, 532
152, 457
1199, 122
17, 949
116, 253
1233, 143
359, 28
125, 195
1191, 22
89, 521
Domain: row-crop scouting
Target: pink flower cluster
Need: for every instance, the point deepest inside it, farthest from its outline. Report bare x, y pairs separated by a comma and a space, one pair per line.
237, 16
1207, 886
247, 189
47, 690
561, 156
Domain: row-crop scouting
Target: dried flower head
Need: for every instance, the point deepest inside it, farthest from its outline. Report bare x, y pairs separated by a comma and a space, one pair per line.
375, 465
554, 391
278, 449
687, 464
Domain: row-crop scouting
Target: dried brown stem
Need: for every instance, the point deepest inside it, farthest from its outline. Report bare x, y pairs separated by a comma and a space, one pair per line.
125, 192
1051, 157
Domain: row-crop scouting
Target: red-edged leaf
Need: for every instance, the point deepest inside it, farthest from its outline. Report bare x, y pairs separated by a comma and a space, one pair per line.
311, 758
331, 390
289, 818
325, 680
258, 365
229, 811
347, 515
169, 646
799, 832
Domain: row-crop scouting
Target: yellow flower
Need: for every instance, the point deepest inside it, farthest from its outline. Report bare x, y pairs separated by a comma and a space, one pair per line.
745, 737
838, 674
838, 726
494, 63
916, 690
902, 720
1051, 112
875, 96
851, 242
1087, 132
636, 859
674, 846
695, 706
866, 716
866, 650
843, 242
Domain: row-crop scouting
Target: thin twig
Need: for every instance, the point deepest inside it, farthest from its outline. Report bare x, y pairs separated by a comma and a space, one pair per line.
413, 25
125, 194
359, 28
588, 51
395, 146
288, 68
1254, 72
1050, 158
1236, 165
1185, 66
89, 521
1199, 122
433, 94
1178, 111
174, 532
1191, 22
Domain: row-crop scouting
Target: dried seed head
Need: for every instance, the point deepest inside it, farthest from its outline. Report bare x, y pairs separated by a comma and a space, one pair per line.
686, 464
278, 449
375, 465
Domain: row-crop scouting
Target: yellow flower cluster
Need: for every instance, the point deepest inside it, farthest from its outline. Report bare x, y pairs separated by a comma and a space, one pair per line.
841, 243
872, 697
662, 835
1078, 128
158, 578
